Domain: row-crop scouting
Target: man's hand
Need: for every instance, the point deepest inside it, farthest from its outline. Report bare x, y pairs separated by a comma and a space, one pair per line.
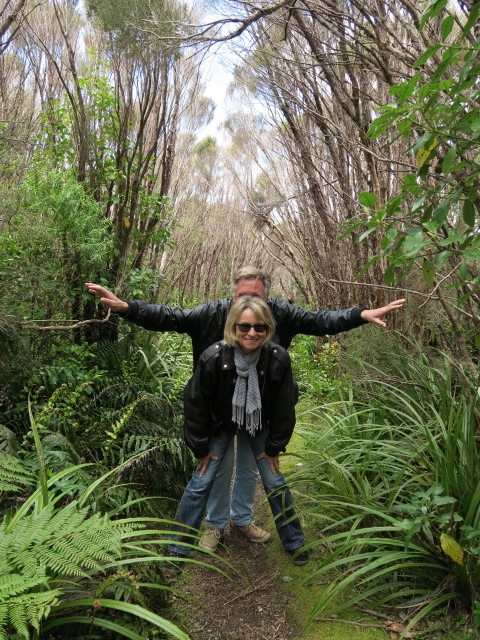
273, 463
203, 463
376, 316
107, 298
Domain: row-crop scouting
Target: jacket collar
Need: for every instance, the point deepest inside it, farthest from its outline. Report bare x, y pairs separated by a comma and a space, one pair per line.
227, 357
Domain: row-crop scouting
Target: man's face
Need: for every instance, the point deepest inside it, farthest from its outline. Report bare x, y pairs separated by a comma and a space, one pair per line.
251, 287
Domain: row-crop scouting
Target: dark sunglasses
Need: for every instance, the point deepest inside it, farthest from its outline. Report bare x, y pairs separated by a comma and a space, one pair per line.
245, 327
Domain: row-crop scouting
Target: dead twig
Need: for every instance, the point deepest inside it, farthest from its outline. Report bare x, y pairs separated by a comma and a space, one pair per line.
69, 327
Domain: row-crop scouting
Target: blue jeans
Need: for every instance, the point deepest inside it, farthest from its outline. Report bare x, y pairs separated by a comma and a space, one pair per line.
243, 490
194, 500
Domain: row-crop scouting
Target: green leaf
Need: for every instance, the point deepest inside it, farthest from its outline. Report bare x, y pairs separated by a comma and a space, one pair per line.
407, 88
472, 254
366, 233
423, 141
389, 238
464, 271
441, 212
428, 272
389, 276
462, 299
118, 629
132, 609
441, 258
431, 11
450, 52
370, 262
472, 18
367, 199
431, 51
441, 69
410, 179
349, 228
447, 26
475, 125
382, 123
413, 243
449, 159
427, 214
469, 213
453, 236
405, 125
418, 204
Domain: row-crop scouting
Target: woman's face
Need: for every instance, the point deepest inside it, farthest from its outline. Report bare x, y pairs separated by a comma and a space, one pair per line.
251, 339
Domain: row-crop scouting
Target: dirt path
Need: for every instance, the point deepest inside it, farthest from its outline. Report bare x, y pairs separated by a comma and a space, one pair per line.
249, 604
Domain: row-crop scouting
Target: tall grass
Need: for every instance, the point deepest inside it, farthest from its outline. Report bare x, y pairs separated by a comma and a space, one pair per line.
391, 475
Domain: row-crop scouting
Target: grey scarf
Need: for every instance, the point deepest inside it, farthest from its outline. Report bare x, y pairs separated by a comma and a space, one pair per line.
246, 401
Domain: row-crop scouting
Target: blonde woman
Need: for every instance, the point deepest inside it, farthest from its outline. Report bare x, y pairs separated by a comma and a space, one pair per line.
242, 386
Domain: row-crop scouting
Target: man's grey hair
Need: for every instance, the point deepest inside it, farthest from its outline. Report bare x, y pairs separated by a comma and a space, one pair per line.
251, 273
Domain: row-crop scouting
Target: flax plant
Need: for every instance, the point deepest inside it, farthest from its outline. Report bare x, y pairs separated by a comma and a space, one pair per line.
393, 482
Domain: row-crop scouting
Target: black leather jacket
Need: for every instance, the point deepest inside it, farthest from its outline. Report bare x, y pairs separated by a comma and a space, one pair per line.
204, 323
208, 398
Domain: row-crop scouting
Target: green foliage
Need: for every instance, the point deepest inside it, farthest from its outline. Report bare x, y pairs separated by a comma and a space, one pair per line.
394, 479
13, 474
436, 215
52, 551
131, 406
59, 235
315, 368
125, 21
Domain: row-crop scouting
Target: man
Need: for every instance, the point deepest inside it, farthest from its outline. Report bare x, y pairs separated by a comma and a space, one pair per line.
205, 324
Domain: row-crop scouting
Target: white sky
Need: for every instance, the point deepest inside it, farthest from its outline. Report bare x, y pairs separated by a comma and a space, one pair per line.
217, 77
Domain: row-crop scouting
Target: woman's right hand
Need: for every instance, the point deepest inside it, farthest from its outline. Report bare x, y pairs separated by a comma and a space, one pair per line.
203, 463
107, 297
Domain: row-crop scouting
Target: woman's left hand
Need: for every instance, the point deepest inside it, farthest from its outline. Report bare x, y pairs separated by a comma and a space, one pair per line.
203, 463
273, 463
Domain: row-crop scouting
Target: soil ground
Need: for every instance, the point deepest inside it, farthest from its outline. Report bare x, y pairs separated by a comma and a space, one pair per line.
248, 602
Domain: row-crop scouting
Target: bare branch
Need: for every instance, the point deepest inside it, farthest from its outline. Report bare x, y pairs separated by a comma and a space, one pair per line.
76, 324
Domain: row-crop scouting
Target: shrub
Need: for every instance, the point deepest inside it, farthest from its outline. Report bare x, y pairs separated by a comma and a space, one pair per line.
394, 479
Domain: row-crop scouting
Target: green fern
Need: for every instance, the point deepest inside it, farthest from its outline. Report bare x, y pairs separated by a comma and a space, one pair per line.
52, 550
20, 606
62, 542
13, 474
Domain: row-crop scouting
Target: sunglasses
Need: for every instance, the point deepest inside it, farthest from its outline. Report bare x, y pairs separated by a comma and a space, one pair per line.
244, 327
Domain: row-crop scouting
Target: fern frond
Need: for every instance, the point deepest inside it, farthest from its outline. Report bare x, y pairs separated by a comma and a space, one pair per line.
13, 474
65, 543
14, 584
27, 609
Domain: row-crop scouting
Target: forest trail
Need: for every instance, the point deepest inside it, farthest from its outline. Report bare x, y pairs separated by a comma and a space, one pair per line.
261, 597
250, 601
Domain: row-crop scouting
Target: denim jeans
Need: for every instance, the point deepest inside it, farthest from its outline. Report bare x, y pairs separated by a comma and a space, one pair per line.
243, 490
194, 500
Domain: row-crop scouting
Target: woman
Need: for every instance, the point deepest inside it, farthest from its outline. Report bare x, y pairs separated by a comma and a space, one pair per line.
242, 386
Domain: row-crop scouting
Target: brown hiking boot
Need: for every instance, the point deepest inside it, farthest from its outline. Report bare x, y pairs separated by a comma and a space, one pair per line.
210, 539
252, 532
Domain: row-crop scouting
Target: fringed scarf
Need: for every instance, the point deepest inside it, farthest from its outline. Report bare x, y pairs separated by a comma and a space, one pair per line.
246, 401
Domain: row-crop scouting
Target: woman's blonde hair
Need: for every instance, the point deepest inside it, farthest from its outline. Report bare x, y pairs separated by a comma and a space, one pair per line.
262, 312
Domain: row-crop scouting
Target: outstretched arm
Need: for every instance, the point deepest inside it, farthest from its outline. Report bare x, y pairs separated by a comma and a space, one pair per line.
107, 297
376, 316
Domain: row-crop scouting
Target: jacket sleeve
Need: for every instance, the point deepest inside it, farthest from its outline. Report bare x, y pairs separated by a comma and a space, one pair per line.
197, 410
282, 408
157, 317
293, 320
